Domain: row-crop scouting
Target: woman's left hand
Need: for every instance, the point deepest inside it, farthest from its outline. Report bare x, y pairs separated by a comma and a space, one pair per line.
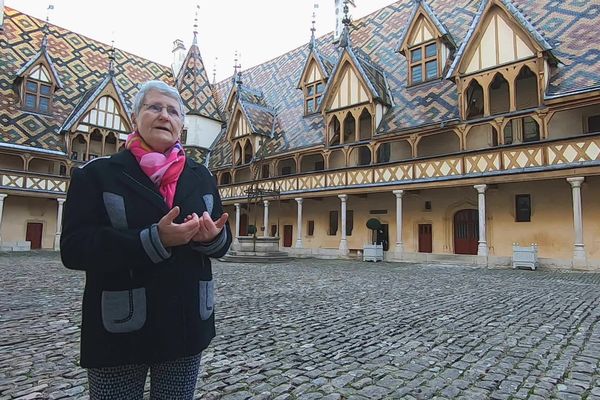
209, 229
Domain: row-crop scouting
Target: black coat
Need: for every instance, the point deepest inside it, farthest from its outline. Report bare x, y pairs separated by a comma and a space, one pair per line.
142, 303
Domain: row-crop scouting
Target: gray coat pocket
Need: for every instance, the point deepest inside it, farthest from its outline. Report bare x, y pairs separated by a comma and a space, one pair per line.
206, 293
124, 310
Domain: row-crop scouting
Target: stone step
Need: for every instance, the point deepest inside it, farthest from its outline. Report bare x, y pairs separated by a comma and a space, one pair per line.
256, 257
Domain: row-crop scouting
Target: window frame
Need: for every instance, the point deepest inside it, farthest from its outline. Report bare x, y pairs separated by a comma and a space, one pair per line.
315, 96
423, 62
37, 94
522, 214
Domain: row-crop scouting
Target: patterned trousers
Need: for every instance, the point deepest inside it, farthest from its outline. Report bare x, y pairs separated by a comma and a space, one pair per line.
169, 380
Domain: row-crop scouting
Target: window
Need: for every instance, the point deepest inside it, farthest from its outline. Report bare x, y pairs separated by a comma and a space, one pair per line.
265, 171
593, 123
319, 165
333, 223
37, 90
74, 155
423, 61
427, 205
531, 130
312, 96
311, 228
286, 170
523, 208
349, 222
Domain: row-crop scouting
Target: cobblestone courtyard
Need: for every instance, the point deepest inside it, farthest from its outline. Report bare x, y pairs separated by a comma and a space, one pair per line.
316, 329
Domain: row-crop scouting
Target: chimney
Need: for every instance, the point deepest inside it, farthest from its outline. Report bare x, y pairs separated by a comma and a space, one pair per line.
339, 16
178, 56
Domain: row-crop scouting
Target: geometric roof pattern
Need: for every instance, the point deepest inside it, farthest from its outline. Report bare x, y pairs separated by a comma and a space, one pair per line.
194, 87
569, 29
81, 65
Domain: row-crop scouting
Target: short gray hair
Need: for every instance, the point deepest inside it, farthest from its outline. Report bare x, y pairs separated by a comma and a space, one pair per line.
161, 87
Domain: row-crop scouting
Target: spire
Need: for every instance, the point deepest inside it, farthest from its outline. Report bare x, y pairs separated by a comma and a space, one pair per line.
345, 37
195, 41
312, 29
111, 58
45, 28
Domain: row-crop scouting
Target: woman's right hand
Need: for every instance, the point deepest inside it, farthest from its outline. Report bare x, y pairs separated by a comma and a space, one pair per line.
172, 234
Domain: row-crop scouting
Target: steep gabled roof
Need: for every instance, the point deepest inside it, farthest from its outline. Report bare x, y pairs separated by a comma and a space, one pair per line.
325, 65
195, 88
514, 12
260, 118
90, 97
444, 33
42, 54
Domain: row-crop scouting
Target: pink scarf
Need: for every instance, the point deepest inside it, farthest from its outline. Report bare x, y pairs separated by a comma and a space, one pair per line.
163, 169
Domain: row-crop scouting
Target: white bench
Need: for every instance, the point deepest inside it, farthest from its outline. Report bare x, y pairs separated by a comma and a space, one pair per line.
525, 256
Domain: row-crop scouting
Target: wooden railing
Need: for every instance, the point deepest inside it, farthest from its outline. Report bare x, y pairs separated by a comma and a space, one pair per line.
577, 151
33, 182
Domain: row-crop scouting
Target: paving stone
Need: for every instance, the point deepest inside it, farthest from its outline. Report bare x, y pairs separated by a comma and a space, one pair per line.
351, 331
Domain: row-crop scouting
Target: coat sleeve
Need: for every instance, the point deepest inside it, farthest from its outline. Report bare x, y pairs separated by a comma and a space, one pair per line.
88, 244
219, 245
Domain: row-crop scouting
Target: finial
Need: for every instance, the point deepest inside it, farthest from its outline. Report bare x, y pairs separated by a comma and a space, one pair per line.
111, 58
215, 71
312, 29
196, 25
236, 65
345, 38
46, 28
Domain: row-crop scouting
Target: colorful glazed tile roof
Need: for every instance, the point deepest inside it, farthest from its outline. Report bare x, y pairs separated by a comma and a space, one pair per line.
81, 65
194, 87
570, 29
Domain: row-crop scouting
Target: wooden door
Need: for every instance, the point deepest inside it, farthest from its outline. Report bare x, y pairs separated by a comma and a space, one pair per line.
425, 238
466, 232
34, 234
244, 225
287, 235
383, 237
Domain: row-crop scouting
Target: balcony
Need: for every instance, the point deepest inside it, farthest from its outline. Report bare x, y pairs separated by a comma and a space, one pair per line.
547, 155
33, 182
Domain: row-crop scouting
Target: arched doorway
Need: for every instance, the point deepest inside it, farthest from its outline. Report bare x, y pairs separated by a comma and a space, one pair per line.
466, 232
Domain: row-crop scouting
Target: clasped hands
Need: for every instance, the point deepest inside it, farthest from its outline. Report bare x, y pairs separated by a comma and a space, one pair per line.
193, 228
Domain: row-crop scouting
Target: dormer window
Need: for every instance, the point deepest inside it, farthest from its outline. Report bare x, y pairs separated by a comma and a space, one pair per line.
424, 65
312, 96
37, 90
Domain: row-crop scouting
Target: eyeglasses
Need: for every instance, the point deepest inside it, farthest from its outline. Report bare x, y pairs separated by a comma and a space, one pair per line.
157, 109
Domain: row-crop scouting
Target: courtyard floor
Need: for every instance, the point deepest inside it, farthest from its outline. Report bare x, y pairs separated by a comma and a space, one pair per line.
332, 329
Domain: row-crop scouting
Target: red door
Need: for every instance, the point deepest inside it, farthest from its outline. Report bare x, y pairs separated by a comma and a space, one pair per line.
287, 235
34, 234
244, 225
466, 232
425, 242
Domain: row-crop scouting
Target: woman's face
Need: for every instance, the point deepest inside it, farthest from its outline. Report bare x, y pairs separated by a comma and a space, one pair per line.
159, 129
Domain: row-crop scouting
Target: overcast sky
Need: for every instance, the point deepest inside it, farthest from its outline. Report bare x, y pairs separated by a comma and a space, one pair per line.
259, 29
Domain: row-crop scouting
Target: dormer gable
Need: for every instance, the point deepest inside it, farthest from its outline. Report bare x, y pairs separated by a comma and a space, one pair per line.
500, 34
313, 79
36, 83
426, 44
354, 81
102, 106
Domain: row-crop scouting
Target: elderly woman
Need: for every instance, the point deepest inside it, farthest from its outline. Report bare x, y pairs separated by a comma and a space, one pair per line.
143, 225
